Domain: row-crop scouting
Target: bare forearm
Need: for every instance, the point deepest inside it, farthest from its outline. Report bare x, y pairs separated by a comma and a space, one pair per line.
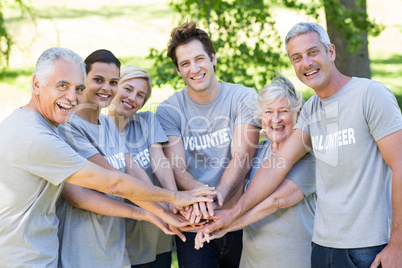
184, 180
100, 203
396, 231
286, 195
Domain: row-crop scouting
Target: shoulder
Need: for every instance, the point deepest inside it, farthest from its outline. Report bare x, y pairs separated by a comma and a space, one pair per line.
237, 89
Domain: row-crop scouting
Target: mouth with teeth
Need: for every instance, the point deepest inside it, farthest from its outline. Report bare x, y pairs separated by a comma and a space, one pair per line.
104, 97
311, 73
198, 77
126, 105
65, 107
278, 128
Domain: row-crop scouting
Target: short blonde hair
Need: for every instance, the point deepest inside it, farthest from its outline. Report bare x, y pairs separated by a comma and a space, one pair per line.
130, 72
279, 88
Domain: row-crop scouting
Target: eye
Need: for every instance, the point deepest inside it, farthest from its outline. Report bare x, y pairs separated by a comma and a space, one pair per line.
296, 58
80, 89
184, 64
98, 80
113, 83
128, 89
141, 96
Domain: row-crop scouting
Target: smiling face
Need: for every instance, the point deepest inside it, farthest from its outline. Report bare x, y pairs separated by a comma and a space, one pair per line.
196, 67
56, 99
278, 120
130, 97
101, 84
313, 65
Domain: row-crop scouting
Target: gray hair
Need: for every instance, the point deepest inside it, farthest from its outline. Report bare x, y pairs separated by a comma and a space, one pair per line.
130, 72
45, 64
279, 88
308, 27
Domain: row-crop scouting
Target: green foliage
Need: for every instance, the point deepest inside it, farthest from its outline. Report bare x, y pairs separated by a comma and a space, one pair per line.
247, 44
245, 40
6, 40
351, 22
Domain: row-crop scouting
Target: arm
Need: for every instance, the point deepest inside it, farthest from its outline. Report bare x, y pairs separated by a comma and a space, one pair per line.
390, 150
243, 147
174, 151
120, 184
161, 167
260, 188
286, 195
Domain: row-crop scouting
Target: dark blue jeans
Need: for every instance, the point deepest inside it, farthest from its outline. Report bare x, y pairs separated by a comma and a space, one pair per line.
162, 260
224, 252
323, 257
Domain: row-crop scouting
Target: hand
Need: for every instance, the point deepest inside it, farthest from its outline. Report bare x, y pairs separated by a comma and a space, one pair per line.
222, 218
200, 238
199, 194
158, 223
389, 257
203, 237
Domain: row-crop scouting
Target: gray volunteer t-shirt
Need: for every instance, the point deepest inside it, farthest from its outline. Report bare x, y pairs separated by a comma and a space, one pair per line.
143, 239
282, 239
34, 161
354, 207
88, 239
207, 128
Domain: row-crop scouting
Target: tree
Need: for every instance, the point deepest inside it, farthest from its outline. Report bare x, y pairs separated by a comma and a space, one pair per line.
237, 29
248, 46
6, 40
350, 35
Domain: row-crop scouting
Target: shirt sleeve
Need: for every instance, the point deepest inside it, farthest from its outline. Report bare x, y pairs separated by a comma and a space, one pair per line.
246, 105
381, 110
157, 134
303, 174
52, 159
169, 118
76, 137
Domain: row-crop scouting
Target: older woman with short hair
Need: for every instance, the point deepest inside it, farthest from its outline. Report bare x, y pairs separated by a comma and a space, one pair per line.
277, 232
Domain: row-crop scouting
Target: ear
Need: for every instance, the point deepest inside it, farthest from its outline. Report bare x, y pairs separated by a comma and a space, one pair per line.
331, 52
178, 72
298, 114
214, 60
35, 85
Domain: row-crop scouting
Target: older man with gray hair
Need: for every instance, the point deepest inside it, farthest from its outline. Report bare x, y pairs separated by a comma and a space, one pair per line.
34, 162
354, 127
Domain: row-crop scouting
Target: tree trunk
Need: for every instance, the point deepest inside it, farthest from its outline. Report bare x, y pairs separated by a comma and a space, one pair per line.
351, 64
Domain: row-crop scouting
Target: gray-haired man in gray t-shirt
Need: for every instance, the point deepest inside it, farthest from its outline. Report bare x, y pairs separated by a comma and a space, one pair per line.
354, 127
34, 162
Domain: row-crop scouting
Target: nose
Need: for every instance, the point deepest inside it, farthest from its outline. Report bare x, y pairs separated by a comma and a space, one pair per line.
276, 118
132, 96
307, 62
194, 67
71, 94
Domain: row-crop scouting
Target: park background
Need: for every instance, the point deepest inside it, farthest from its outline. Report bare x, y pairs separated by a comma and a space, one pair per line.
129, 28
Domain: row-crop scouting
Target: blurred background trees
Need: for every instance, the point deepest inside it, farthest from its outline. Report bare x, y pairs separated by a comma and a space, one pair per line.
248, 46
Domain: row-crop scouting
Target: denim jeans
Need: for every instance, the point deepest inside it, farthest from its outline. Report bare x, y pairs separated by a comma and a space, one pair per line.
323, 257
224, 252
162, 260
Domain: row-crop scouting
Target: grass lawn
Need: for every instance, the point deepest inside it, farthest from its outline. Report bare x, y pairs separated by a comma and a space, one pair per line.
129, 28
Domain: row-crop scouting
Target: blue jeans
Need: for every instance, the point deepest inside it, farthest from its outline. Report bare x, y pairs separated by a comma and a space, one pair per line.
323, 257
162, 260
224, 252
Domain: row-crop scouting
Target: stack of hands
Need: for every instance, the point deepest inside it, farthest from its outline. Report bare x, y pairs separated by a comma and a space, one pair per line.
206, 217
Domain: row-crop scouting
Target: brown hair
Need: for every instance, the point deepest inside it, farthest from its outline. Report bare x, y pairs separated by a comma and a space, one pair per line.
186, 33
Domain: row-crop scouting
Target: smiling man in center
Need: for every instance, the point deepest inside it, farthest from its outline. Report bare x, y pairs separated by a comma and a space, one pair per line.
212, 140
